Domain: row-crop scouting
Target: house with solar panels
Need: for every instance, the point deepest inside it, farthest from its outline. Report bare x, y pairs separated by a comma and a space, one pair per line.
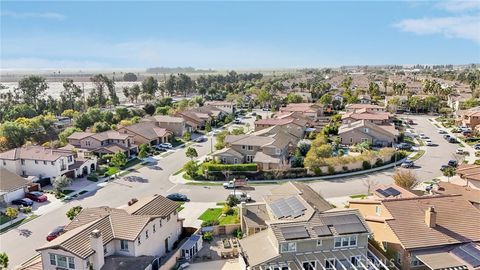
296, 228
440, 232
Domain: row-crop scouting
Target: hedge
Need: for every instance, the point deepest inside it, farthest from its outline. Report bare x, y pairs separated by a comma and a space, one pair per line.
250, 167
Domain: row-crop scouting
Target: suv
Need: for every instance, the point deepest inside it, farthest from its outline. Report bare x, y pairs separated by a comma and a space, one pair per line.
452, 140
452, 163
36, 196
404, 146
407, 164
446, 136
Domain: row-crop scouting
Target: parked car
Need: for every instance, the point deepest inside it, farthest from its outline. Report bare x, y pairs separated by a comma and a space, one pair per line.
441, 131
215, 132
55, 233
36, 196
237, 121
461, 151
452, 163
166, 145
200, 139
477, 146
253, 114
452, 140
444, 167
241, 196
23, 202
424, 137
159, 148
178, 197
410, 122
429, 142
407, 164
446, 136
404, 146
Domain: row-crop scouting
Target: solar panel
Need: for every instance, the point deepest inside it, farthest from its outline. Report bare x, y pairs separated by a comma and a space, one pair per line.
349, 228
469, 253
322, 230
392, 191
296, 232
341, 219
382, 192
287, 207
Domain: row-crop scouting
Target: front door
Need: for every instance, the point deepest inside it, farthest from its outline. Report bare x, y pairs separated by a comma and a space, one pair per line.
166, 245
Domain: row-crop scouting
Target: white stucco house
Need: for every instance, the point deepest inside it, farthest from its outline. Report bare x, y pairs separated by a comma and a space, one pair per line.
12, 186
107, 238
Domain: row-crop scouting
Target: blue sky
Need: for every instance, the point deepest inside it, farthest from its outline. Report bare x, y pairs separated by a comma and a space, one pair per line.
237, 35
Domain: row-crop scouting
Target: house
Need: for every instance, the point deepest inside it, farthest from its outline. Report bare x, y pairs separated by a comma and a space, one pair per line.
111, 238
228, 107
269, 151
470, 173
370, 108
365, 131
107, 142
292, 125
12, 186
295, 228
42, 162
310, 110
147, 133
469, 118
470, 194
425, 232
196, 118
364, 99
176, 125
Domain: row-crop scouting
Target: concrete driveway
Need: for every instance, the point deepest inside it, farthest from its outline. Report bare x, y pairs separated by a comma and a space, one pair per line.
192, 211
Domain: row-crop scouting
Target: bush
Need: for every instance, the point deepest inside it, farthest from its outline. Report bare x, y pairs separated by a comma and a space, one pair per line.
331, 170
191, 168
26, 209
366, 165
92, 177
379, 162
227, 210
250, 167
209, 223
345, 168
73, 212
232, 201
317, 171
207, 236
238, 233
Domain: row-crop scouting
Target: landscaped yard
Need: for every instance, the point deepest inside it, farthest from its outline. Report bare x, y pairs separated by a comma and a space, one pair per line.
4, 219
181, 206
212, 214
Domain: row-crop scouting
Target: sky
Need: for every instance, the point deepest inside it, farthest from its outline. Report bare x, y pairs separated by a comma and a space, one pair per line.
237, 35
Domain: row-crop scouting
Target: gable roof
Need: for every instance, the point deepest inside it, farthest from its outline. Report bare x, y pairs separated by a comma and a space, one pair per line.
110, 135
457, 221
388, 130
78, 135
35, 152
363, 106
155, 205
164, 119
469, 171
11, 181
364, 115
471, 194
147, 130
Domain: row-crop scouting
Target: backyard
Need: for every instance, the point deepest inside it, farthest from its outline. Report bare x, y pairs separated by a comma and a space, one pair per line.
213, 215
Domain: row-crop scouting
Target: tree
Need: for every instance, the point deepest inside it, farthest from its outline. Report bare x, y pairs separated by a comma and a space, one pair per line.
61, 182
98, 96
208, 126
15, 134
66, 133
149, 108
11, 213
326, 99
118, 160
191, 168
232, 200
71, 92
294, 98
73, 212
3, 260
405, 178
20, 110
32, 89
187, 136
369, 183
150, 86
449, 172
144, 150
101, 127
130, 77
191, 153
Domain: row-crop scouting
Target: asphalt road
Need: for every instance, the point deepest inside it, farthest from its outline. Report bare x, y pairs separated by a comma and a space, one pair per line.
20, 243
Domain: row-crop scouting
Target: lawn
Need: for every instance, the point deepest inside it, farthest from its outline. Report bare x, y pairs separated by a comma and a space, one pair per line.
132, 162
229, 219
211, 214
16, 224
358, 196
418, 155
4, 219
111, 171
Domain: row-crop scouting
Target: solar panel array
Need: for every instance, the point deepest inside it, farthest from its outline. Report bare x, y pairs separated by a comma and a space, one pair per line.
388, 192
287, 207
295, 232
470, 253
349, 228
344, 224
322, 230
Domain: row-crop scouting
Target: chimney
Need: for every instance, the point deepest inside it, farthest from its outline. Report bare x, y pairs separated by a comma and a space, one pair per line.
243, 212
431, 217
96, 243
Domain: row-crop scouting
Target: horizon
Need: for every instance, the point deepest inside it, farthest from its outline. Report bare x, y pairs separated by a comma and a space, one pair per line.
237, 35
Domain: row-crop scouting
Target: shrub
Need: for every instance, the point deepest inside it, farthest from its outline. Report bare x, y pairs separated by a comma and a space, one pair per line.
232, 201
345, 168
209, 223
250, 167
379, 162
238, 233
92, 177
331, 170
227, 210
191, 168
207, 236
73, 212
26, 209
366, 165
405, 178
317, 171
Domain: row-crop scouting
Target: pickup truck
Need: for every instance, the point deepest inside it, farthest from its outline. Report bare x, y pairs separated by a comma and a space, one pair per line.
236, 183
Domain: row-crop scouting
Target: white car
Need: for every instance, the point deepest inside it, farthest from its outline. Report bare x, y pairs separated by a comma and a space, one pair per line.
216, 131
460, 151
441, 131
166, 145
428, 142
423, 137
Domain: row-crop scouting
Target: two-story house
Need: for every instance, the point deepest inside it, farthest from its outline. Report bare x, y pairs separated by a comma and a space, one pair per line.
146, 133
310, 110
107, 142
42, 162
176, 125
426, 232
365, 131
371, 108
293, 125
228, 107
297, 235
469, 118
111, 238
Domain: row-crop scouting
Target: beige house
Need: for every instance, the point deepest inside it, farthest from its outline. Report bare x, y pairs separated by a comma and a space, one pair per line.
469, 193
176, 125
296, 229
379, 118
147, 133
470, 173
107, 142
294, 126
371, 108
310, 110
428, 232
469, 118
12, 186
112, 238
228, 107
365, 131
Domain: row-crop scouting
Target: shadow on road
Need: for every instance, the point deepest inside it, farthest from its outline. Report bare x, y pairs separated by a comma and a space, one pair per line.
138, 179
25, 233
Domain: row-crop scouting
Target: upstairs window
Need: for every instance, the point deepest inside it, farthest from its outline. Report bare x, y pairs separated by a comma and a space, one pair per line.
288, 247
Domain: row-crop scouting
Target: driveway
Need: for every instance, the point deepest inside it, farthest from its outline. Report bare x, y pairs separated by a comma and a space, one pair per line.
192, 211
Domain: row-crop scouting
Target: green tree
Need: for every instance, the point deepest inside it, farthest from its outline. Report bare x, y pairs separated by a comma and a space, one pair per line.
119, 160
3, 260
130, 77
208, 126
187, 136
191, 168
102, 85
11, 213
70, 94
101, 127
61, 182
15, 134
144, 150
20, 110
32, 89
66, 133
449, 172
326, 99
191, 153
294, 98
150, 86
149, 108
73, 212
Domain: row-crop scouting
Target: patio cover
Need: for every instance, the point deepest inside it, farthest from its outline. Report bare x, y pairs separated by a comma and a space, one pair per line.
441, 261
191, 242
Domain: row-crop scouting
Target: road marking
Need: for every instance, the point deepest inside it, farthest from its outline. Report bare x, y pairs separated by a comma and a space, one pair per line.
168, 190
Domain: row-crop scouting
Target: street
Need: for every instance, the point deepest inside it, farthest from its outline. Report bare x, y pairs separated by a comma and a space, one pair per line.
20, 243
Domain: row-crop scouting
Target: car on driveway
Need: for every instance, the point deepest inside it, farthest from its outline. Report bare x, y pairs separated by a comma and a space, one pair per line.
166, 145
461, 151
159, 148
452, 163
404, 146
23, 202
407, 164
55, 233
200, 139
441, 131
36, 196
178, 197
429, 142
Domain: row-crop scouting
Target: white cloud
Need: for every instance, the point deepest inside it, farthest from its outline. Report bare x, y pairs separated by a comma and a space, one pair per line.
40, 15
465, 27
459, 5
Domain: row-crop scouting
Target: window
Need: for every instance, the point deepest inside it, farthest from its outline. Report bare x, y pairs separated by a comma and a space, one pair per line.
235, 161
36, 161
366, 130
364, 140
139, 240
249, 158
278, 268
398, 257
319, 243
44, 163
244, 147
378, 210
105, 250
345, 241
224, 160
310, 265
355, 260
62, 261
250, 148
278, 151
415, 261
351, 140
160, 223
53, 162
329, 263
123, 245
288, 247
24, 173
154, 228
22, 161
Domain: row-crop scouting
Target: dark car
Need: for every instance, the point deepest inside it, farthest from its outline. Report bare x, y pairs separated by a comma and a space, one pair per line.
446, 136
452, 163
55, 233
452, 140
404, 146
407, 164
177, 197
36, 196
477, 146
23, 202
